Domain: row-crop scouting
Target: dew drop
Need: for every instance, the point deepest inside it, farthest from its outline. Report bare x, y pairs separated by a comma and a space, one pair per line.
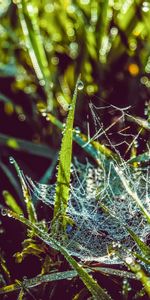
3, 212
80, 85
129, 260
11, 160
44, 114
77, 130
69, 107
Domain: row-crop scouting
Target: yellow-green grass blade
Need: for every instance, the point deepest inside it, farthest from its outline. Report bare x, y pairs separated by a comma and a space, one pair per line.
27, 198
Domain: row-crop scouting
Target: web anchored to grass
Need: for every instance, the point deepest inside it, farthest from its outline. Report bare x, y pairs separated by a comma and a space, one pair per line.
106, 203
101, 213
101, 208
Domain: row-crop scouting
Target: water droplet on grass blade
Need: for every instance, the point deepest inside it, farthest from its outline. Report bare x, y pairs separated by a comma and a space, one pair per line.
77, 130
80, 85
70, 107
11, 160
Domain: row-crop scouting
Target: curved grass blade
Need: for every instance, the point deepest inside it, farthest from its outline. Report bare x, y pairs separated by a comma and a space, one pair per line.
28, 201
94, 288
63, 177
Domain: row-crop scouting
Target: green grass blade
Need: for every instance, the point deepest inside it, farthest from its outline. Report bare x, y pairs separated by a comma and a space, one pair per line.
32, 282
35, 47
11, 202
144, 157
102, 23
141, 275
95, 289
40, 279
28, 147
143, 247
21, 295
10, 288
63, 177
28, 201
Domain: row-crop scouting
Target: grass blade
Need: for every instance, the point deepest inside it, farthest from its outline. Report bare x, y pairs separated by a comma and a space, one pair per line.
133, 194
35, 47
144, 157
143, 247
95, 289
11, 202
63, 177
28, 147
28, 201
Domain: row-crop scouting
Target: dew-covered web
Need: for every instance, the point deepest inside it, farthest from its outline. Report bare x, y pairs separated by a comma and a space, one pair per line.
99, 204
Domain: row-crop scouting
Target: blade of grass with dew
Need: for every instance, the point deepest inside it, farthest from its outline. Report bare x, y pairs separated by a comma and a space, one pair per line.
140, 274
29, 23
114, 272
28, 201
145, 157
95, 289
28, 147
64, 174
143, 247
40, 279
11, 202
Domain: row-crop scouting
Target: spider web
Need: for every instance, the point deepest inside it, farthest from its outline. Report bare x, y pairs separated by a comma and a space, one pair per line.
99, 204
